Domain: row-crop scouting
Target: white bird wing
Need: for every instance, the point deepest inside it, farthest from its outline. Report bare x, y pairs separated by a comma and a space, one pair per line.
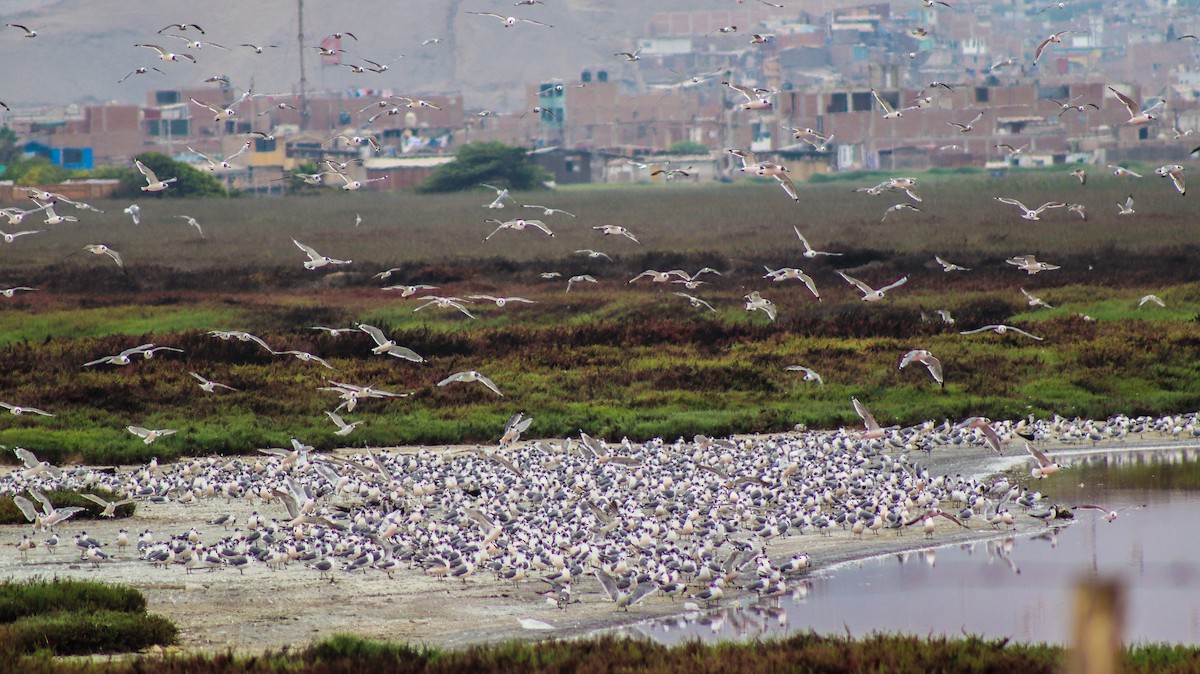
866, 289
887, 109
375, 333
488, 383
803, 241
337, 419
1130, 104
138, 431
609, 585
47, 506
897, 284
1022, 332
867, 417
1040, 457
27, 508
27, 457
96, 499
150, 177
457, 376
745, 91
308, 250
1014, 202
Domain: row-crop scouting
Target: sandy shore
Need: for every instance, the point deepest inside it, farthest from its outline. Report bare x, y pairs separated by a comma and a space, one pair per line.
264, 609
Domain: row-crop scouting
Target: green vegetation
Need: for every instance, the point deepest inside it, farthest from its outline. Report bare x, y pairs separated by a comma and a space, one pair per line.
492, 162
65, 617
611, 358
800, 653
192, 182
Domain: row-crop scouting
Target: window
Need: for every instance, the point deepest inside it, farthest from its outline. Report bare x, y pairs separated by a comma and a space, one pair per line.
838, 103
264, 145
72, 156
166, 97
864, 101
982, 94
1059, 92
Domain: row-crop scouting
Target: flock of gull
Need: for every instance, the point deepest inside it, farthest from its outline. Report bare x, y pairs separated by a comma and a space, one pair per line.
683, 519
624, 521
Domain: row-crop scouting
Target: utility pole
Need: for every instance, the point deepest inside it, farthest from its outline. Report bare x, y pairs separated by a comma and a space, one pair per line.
304, 112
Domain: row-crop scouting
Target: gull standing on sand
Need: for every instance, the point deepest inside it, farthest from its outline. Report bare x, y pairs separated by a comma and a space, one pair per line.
870, 294
927, 359
209, 386
468, 376
999, 330
809, 374
315, 259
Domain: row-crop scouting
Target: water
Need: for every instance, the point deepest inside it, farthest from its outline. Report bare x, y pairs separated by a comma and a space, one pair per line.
1019, 588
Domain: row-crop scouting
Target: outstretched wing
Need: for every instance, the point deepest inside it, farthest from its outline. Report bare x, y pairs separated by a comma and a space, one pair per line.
146, 171
308, 250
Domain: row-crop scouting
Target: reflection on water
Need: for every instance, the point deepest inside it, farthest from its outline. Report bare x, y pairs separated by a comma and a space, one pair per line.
1005, 587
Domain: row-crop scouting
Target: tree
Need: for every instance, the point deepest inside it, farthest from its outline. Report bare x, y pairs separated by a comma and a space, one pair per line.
10, 146
192, 182
689, 147
495, 163
36, 171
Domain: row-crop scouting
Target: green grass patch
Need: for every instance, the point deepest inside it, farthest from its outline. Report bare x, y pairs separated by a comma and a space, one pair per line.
40, 596
805, 652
